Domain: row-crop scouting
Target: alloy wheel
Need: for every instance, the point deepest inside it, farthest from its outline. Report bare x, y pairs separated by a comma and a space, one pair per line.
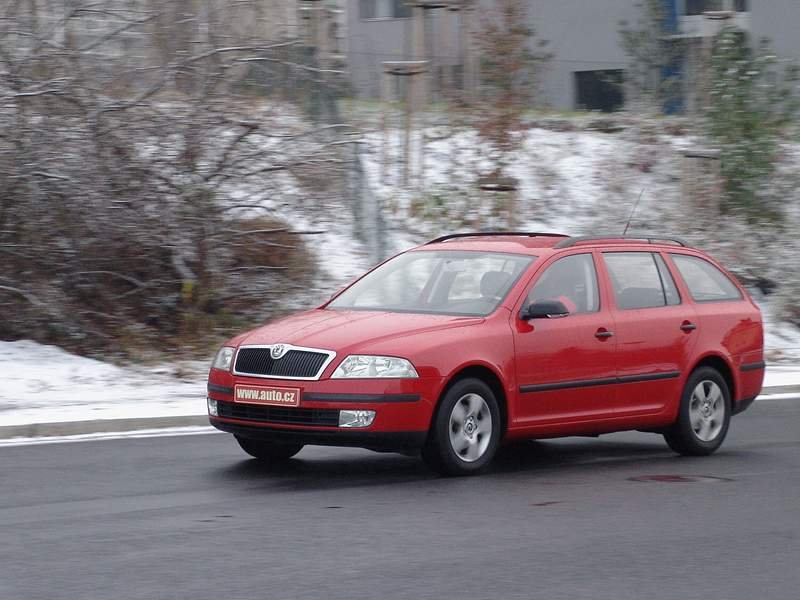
470, 427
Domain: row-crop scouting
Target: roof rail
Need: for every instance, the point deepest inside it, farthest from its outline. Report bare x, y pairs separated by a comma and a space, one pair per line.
655, 239
454, 236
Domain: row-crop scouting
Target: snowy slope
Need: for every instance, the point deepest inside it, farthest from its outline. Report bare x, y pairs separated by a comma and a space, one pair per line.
44, 384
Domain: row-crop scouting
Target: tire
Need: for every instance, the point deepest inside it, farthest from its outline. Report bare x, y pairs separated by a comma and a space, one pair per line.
268, 451
466, 429
704, 415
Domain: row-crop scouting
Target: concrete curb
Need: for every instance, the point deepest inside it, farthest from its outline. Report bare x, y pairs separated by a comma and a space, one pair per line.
116, 425
99, 426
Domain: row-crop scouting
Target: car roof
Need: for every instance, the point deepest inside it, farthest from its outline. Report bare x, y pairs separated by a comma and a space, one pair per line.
538, 244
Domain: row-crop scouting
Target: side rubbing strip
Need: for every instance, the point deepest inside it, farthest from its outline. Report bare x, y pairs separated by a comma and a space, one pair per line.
756, 366
563, 385
653, 377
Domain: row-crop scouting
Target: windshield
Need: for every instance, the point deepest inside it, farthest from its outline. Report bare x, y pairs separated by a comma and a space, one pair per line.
437, 282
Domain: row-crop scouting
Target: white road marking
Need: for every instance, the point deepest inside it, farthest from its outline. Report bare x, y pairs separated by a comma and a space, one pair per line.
114, 435
786, 396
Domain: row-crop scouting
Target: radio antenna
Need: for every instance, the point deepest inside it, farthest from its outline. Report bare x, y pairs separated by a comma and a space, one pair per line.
635, 206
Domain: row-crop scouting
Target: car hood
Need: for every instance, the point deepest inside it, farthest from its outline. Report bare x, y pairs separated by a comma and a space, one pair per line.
351, 331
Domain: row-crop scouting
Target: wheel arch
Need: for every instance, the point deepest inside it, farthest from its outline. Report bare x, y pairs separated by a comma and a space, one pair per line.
486, 374
723, 367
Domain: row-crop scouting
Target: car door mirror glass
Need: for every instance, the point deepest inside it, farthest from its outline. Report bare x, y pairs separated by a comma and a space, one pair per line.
545, 309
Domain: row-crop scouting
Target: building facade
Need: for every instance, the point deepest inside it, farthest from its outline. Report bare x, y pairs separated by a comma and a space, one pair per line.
588, 61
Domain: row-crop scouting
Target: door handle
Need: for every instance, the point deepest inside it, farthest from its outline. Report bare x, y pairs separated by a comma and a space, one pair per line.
602, 334
688, 326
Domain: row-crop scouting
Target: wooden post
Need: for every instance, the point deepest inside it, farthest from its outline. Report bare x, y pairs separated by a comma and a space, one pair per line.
702, 180
410, 69
503, 188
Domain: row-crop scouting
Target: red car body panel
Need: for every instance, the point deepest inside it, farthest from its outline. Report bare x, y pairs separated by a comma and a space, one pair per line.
557, 376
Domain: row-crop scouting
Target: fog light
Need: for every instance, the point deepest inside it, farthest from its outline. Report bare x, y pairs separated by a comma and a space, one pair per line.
356, 418
212, 407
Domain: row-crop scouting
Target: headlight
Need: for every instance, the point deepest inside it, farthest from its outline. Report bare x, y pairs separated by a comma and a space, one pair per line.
367, 367
223, 358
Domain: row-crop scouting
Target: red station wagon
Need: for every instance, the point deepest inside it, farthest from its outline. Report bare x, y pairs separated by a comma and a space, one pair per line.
456, 346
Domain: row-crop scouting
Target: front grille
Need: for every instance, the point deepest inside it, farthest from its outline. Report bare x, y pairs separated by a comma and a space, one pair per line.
319, 417
295, 363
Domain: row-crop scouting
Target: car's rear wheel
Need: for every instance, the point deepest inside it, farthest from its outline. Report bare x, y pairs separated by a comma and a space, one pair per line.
466, 430
268, 451
704, 414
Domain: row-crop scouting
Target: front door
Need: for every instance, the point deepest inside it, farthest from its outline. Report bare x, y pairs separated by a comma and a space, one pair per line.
566, 366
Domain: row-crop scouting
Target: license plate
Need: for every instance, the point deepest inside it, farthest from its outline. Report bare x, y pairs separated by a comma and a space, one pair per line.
274, 396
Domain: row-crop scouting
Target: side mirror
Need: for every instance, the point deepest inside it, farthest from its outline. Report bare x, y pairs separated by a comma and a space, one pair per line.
544, 309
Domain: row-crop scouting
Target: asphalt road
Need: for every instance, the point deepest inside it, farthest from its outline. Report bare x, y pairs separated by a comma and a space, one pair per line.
192, 517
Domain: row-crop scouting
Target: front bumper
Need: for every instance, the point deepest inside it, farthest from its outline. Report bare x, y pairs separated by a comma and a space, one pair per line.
403, 410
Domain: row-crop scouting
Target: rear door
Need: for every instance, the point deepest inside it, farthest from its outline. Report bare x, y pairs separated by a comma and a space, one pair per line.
565, 366
655, 331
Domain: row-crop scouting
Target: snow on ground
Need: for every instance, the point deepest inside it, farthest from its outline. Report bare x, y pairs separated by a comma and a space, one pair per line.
44, 384
782, 375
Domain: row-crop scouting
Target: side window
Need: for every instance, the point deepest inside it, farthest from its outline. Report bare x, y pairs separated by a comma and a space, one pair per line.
573, 281
637, 280
670, 289
706, 282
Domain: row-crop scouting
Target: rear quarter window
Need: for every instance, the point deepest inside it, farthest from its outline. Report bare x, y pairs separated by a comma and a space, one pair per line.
706, 282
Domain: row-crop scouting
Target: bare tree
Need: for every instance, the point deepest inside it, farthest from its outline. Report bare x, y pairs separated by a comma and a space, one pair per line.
511, 61
131, 134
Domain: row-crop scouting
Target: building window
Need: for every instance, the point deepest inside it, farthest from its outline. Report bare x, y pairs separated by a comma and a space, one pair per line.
599, 90
698, 7
401, 9
366, 9
384, 9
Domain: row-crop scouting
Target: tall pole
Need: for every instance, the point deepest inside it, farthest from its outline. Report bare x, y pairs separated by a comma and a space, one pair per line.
386, 101
469, 64
409, 112
448, 49
418, 45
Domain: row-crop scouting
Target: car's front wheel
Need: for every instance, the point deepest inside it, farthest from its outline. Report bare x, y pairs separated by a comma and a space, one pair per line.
268, 451
704, 414
466, 430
